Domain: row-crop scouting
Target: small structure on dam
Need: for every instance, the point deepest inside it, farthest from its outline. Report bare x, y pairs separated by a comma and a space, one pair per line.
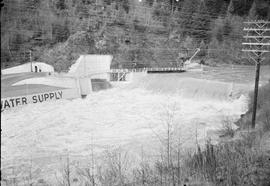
124, 74
29, 67
88, 68
96, 66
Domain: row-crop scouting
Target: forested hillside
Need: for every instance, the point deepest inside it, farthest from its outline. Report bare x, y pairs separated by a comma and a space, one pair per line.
138, 33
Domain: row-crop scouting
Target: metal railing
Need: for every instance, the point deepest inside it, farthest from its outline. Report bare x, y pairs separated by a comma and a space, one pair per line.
148, 69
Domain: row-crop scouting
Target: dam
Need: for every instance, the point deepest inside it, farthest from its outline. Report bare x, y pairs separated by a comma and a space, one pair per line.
21, 86
131, 115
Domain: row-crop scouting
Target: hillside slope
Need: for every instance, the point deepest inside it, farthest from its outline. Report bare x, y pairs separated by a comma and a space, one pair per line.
137, 34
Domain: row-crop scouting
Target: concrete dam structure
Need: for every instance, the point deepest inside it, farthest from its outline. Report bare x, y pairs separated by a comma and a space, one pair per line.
89, 73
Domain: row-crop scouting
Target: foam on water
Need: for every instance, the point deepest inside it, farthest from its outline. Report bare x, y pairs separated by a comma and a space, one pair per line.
129, 116
196, 89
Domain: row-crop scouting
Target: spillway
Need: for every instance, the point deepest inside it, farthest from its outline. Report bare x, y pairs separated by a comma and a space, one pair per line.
131, 115
123, 115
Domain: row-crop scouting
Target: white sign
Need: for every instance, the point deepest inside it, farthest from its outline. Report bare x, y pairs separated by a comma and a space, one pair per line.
11, 102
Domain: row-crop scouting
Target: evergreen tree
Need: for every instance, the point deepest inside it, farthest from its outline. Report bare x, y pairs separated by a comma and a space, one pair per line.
217, 30
200, 22
241, 7
253, 11
227, 27
188, 43
31, 4
214, 44
161, 12
224, 8
230, 9
60, 4
213, 7
203, 49
186, 15
2, 4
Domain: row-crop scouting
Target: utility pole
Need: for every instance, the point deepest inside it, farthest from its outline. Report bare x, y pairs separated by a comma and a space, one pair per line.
30, 56
256, 44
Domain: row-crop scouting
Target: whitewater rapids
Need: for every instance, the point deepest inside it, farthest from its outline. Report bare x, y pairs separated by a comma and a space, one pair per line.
130, 115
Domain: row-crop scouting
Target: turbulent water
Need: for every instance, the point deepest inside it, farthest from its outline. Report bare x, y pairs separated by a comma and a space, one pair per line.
131, 115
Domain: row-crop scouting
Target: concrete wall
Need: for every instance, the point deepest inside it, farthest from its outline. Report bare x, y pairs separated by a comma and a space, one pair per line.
96, 66
56, 81
65, 82
36, 66
13, 102
82, 85
101, 76
77, 83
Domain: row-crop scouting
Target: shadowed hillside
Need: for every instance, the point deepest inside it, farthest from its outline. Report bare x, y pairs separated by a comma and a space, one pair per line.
149, 33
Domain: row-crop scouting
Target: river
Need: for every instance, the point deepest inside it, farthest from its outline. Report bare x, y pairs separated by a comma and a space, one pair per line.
131, 115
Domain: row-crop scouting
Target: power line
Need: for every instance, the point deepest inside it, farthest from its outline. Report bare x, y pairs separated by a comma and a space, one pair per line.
257, 46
